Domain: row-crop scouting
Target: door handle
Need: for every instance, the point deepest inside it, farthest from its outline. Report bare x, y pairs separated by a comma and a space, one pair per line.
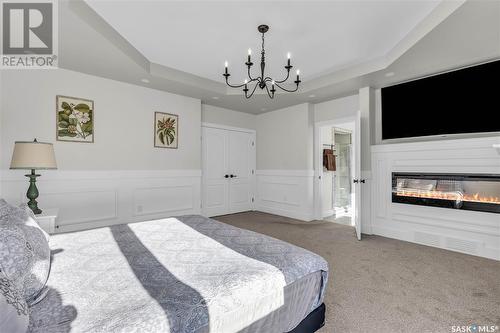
362, 181
226, 176
233, 176
355, 181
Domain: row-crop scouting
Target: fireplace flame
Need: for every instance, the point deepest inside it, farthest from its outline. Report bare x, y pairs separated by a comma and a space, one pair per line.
456, 196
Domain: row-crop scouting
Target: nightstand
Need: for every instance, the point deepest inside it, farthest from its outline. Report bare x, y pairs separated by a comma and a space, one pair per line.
47, 220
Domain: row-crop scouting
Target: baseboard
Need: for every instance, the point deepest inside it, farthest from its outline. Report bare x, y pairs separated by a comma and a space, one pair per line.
328, 212
303, 216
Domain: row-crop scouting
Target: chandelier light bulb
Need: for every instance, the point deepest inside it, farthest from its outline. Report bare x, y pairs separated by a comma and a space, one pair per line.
288, 55
249, 51
298, 72
225, 64
246, 81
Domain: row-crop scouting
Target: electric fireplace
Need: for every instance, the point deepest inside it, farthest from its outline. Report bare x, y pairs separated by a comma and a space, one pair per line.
479, 192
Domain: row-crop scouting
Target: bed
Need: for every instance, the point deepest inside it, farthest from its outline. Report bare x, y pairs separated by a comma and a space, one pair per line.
178, 275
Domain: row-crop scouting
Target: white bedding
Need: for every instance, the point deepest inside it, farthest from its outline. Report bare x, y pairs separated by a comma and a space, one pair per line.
300, 297
184, 274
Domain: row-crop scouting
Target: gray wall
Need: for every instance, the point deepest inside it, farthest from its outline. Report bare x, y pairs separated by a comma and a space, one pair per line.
124, 120
336, 108
221, 116
367, 109
285, 139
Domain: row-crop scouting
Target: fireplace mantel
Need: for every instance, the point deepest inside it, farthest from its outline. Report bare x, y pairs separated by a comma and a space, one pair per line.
424, 220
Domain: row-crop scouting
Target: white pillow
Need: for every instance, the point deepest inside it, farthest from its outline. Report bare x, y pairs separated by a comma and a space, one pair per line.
14, 311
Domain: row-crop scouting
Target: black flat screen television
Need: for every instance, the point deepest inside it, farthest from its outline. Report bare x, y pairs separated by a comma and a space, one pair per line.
457, 102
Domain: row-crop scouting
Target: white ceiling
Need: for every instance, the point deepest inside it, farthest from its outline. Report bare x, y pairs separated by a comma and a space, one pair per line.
454, 34
323, 36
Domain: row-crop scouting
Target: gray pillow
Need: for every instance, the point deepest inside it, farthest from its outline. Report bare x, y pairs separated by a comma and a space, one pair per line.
24, 252
33, 216
6, 209
14, 311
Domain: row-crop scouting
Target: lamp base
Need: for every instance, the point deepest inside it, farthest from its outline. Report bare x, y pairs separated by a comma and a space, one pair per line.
32, 193
35, 209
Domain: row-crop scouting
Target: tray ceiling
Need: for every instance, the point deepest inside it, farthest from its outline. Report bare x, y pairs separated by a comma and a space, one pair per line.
323, 36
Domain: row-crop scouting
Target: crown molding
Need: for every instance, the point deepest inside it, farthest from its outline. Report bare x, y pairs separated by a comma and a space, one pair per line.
182, 77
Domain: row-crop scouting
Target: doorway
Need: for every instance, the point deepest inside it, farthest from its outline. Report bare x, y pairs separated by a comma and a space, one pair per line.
337, 165
228, 170
336, 181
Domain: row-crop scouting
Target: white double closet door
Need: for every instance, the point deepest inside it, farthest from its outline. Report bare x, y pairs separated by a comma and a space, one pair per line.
228, 158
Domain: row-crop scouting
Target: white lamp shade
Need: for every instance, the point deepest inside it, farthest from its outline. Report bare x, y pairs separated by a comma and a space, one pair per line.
33, 155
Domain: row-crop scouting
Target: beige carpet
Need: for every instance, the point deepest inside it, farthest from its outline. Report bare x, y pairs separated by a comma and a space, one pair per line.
385, 285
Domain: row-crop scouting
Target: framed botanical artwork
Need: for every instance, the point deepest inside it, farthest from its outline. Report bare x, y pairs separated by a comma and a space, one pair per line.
75, 119
166, 130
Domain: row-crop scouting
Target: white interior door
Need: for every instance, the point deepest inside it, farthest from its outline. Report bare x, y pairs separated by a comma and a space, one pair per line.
215, 160
228, 158
357, 181
241, 153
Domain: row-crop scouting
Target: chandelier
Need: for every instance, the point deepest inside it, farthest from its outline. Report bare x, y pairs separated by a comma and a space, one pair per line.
262, 81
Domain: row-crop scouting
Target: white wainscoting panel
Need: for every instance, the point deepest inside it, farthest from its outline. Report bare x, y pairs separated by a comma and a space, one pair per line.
91, 199
476, 233
103, 203
366, 216
163, 200
286, 193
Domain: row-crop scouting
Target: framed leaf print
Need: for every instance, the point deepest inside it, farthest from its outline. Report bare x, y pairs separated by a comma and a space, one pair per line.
166, 130
75, 119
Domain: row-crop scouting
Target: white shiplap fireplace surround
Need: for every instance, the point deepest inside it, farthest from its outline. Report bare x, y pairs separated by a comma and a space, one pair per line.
476, 233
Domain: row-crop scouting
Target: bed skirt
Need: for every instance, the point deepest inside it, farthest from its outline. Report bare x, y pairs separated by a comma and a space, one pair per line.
313, 322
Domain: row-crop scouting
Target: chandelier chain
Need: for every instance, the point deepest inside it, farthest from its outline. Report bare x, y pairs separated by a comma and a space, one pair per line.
263, 51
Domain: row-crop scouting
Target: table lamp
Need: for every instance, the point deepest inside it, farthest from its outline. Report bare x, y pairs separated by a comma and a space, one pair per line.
31, 155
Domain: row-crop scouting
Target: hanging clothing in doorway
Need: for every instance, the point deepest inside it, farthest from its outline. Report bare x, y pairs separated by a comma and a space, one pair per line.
329, 160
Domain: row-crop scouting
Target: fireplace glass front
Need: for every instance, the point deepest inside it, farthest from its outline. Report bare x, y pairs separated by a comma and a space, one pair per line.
479, 192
